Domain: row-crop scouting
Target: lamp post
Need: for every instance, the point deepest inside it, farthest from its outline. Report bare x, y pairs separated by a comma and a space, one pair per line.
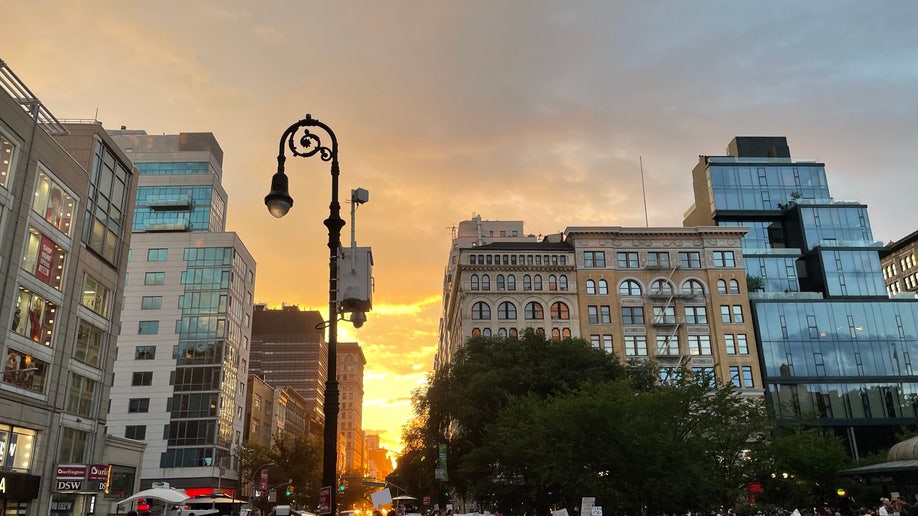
279, 203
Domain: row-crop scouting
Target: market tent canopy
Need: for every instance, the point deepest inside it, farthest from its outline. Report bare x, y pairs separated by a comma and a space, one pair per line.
165, 494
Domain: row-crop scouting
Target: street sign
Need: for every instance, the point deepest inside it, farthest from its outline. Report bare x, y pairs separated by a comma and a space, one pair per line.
325, 500
372, 483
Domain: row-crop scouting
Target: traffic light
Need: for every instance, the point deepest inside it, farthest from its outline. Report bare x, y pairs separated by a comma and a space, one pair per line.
289, 487
341, 486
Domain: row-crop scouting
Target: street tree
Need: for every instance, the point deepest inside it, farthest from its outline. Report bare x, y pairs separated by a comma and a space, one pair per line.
466, 396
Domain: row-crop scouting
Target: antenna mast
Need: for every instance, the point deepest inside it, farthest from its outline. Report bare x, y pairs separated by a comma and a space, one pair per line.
644, 192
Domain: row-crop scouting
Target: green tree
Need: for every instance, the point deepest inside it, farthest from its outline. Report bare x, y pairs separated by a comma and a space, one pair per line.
467, 395
665, 449
298, 459
800, 465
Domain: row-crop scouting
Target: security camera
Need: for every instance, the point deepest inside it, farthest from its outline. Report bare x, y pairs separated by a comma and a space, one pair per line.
358, 318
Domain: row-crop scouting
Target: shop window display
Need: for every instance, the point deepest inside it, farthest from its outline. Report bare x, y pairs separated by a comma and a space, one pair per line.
53, 203
25, 371
44, 259
34, 317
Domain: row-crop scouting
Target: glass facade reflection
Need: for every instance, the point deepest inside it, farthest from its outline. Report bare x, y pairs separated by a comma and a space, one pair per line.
834, 348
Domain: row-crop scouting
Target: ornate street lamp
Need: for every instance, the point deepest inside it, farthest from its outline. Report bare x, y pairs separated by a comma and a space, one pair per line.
279, 203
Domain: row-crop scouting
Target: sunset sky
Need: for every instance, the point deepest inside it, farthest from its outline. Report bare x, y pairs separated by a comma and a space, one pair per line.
530, 110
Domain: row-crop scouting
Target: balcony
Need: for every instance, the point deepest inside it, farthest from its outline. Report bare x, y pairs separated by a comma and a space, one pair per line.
179, 225
667, 321
169, 202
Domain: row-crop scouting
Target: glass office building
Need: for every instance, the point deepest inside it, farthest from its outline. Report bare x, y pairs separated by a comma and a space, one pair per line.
835, 348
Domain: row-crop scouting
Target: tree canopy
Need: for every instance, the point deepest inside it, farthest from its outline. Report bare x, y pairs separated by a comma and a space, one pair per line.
532, 423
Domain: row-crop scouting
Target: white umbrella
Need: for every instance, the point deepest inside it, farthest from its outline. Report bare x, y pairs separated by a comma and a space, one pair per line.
404, 497
165, 494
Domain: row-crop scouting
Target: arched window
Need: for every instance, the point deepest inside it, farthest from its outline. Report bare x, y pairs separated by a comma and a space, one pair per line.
511, 282
560, 310
474, 282
533, 311
693, 288
500, 282
506, 311
485, 282
603, 288
734, 286
562, 282
502, 332
661, 287
514, 333
552, 282
540, 331
481, 311
590, 287
476, 332
555, 334
486, 332
537, 282
629, 288
721, 286
566, 333
527, 282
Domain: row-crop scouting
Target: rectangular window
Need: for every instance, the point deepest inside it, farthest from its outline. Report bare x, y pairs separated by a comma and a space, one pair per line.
632, 315
704, 376
635, 346
96, 296
88, 347
607, 343
139, 405
138, 432
73, 446
627, 260
142, 378
724, 259
51, 202
725, 313
8, 154
664, 315
596, 341
154, 278
690, 259
148, 328
605, 314
741, 344
696, 315
144, 352
747, 377
25, 371
594, 259
44, 259
658, 259
159, 255
103, 224
34, 317
668, 345
734, 376
737, 313
730, 344
151, 303
593, 314
79, 395
700, 345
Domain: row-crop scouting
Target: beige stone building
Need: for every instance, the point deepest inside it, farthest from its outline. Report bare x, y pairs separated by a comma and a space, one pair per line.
674, 295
